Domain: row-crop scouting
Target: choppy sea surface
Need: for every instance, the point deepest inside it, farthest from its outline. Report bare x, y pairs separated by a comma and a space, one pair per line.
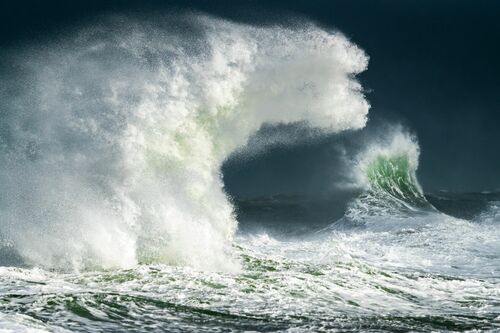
427, 271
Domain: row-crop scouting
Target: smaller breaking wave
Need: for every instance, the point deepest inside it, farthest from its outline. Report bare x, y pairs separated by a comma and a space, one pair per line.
387, 171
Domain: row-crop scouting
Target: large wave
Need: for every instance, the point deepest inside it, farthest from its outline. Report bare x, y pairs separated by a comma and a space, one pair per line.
112, 136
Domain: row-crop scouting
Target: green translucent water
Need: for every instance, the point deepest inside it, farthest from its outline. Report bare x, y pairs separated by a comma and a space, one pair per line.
395, 176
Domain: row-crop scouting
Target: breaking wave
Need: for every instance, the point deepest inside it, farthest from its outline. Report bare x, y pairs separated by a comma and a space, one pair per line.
387, 172
112, 136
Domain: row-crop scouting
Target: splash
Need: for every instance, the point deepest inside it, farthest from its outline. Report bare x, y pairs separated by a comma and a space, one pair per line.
112, 137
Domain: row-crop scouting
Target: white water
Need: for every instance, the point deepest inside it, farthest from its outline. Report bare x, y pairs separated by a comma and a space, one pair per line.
112, 136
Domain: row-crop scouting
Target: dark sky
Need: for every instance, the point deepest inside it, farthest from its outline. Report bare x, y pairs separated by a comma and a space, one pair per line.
434, 66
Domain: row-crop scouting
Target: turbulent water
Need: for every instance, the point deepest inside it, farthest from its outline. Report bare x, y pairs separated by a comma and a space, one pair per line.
113, 214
